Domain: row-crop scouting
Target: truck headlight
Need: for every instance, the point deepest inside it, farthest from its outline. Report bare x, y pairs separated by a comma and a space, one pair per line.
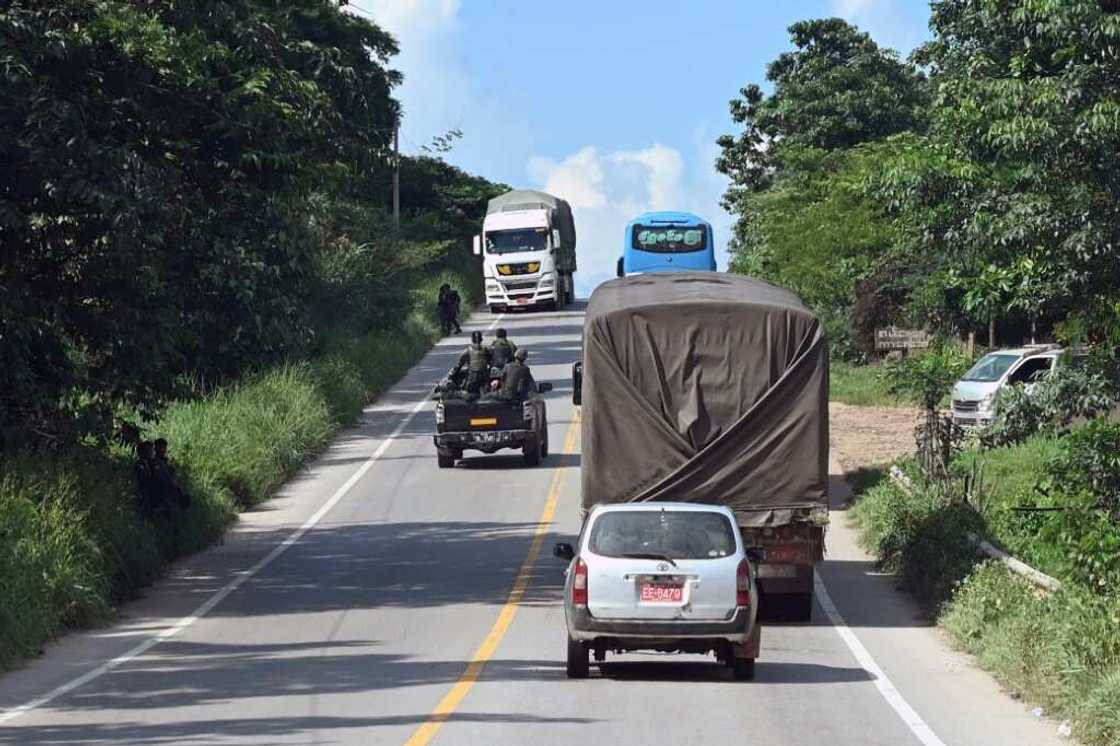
492, 286
527, 411
439, 413
548, 281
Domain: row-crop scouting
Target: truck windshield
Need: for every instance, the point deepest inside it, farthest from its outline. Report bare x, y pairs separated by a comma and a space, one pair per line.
990, 368
676, 534
509, 242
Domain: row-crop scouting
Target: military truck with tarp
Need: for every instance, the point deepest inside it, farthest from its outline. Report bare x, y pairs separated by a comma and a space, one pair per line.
528, 250
712, 388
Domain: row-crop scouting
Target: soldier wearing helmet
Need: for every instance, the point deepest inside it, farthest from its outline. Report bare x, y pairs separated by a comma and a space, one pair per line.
502, 349
476, 360
517, 379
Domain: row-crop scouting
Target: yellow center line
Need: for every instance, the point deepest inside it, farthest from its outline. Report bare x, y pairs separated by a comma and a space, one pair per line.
489, 646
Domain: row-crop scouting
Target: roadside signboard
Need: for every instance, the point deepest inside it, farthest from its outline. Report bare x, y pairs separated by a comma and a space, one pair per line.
894, 338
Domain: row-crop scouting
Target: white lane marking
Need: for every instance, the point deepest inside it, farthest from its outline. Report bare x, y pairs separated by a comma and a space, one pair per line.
894, 698
11, 714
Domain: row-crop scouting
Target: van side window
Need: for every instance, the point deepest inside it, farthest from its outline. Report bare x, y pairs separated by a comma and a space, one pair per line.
1026, 372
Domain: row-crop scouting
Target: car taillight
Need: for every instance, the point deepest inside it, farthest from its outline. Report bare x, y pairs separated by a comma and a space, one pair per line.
579, 584
743, 584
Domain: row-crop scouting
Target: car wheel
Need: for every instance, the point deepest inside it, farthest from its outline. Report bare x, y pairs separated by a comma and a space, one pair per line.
532, 453
445, 458
742, 669
579, 665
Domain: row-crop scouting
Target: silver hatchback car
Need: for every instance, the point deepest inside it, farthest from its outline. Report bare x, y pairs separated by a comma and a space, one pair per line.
670, 577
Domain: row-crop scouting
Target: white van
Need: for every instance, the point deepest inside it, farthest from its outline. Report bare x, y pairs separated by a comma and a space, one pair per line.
976, 394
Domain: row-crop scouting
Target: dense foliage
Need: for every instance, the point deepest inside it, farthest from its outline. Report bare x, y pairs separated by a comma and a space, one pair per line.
984, 197
800, 166
185, 189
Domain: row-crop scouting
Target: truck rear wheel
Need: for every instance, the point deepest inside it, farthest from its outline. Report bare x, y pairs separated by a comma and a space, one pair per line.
579, 665
445, 458
532, 453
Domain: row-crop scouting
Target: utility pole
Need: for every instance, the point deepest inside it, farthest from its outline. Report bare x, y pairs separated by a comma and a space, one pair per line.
397, 176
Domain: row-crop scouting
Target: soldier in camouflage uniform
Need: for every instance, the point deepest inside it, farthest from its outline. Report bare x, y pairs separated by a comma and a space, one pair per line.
517, 379
476, 359
502, 349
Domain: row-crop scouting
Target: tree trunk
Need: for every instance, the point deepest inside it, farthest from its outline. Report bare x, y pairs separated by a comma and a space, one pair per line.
992, 332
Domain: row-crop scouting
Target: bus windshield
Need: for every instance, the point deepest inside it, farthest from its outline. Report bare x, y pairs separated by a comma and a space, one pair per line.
509, 242
669, 239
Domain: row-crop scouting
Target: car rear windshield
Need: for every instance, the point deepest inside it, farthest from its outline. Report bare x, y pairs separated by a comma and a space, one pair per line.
677, 534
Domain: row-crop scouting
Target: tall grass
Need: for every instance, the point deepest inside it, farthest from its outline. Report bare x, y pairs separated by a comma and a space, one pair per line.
861, 385
72, 543
1061, 650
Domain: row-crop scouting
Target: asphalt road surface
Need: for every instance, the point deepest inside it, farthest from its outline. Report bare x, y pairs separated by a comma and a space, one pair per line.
381, 600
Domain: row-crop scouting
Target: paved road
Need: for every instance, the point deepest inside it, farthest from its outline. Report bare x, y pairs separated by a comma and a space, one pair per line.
388, 619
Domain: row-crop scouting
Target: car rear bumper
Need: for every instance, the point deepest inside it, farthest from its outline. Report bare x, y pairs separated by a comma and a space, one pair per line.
484, 439
586, 628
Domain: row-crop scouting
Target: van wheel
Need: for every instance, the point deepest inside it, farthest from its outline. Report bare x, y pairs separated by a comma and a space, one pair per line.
445, 458
532, 453
579, 665
742, 669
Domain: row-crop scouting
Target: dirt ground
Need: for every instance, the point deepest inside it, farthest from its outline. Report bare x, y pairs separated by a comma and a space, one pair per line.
869, 436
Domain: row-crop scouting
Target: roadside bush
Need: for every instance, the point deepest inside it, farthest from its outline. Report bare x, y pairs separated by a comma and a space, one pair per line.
71, 541
1053, 404
920, 536
928, 379
1061, 650
52, 572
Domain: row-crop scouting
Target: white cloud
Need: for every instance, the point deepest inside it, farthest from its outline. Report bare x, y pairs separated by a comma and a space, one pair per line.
607, 190
439, 92
664, 167
579, 177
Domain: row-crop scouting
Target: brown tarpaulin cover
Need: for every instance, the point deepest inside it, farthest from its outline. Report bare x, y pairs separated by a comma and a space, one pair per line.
704, 387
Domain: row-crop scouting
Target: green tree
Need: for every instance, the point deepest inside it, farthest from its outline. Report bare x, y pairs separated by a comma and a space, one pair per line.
157, 166
1019, 178
837, 89
800, 166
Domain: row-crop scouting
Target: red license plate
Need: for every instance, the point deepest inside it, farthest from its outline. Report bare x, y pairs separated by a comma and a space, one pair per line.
787, 553
662, 593
522, 301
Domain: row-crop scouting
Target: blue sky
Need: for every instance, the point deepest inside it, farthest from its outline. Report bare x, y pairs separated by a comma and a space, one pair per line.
614, 105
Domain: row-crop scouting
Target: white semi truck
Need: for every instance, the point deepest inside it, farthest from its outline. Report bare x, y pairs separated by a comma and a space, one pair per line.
528, 250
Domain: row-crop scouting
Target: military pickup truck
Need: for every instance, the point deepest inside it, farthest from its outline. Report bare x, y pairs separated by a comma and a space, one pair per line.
489, 424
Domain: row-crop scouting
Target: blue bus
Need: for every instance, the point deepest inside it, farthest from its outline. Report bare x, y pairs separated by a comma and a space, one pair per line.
667, 242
